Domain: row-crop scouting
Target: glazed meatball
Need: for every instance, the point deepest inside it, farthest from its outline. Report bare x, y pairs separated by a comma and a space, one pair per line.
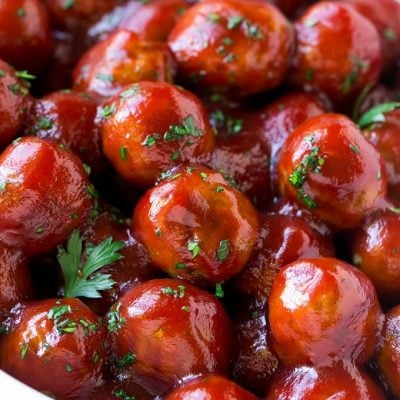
15, 281
120, 60
308, 383
55, 346
196, 226
322, 311
376, 251
141, 144
232, 46
212, 387
45, 195
68, 118
14, 103
384, 136
332, 55
327, 166
388, 356
173, 329
25, 38
283, 239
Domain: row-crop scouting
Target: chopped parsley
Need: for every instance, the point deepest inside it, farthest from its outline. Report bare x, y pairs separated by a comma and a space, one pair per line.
24, 350
123, 153
219, 291
194, 247
223, 250
377, 114
61, 322
127, 359
114, 320
177, 293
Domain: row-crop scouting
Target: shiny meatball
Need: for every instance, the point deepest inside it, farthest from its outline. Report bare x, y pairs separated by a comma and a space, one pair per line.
134, 267
283, 239
25, 37
74, 14
281, 117
388, 356
376, 251
122, 59
239, 47
45, 195
241, 152
332, 55
196, 226
68, 118
322, 311
385, 15
327, 166
212, 387
14, 103
124, 391
384, 136
15, 280
308, 383
142, 143
55, 346
174, 330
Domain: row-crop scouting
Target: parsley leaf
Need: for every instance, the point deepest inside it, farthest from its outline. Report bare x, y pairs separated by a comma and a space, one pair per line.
78, 266
377, 114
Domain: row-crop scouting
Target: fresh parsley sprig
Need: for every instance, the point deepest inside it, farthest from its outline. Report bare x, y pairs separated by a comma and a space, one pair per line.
80, 265
377, 114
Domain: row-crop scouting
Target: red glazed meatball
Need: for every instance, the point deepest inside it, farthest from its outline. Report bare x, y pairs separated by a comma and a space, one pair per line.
196, 226
388, 355
376, 251
78, 13
141, 144
124, 391
55, 346
241, 152
45, 195
283, 239
14, 103
154, 20
120, 60
68, 118
308, 383
174, 330
327, 166
385, 15
134, 268
384, 136
332, 55
282, 117
15, 280
238, 47
322, 311
25, 37
212, 387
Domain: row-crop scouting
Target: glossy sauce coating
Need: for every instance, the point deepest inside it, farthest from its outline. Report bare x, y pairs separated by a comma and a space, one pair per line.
388, 356
338, 51
141, 145
323, 311
283, 239
196, 226
120, 60
231, 46
46, 195
211, 387
49, 347
68, 118
340, 382
25, 37
326, 165
174, 329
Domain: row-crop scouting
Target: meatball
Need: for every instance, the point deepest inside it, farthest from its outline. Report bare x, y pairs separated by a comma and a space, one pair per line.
196, 226
141, 144
55, 346
25, 38
238, 47
120, 60
45, 195
322, 311
326, 165
332, 55
173, 329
